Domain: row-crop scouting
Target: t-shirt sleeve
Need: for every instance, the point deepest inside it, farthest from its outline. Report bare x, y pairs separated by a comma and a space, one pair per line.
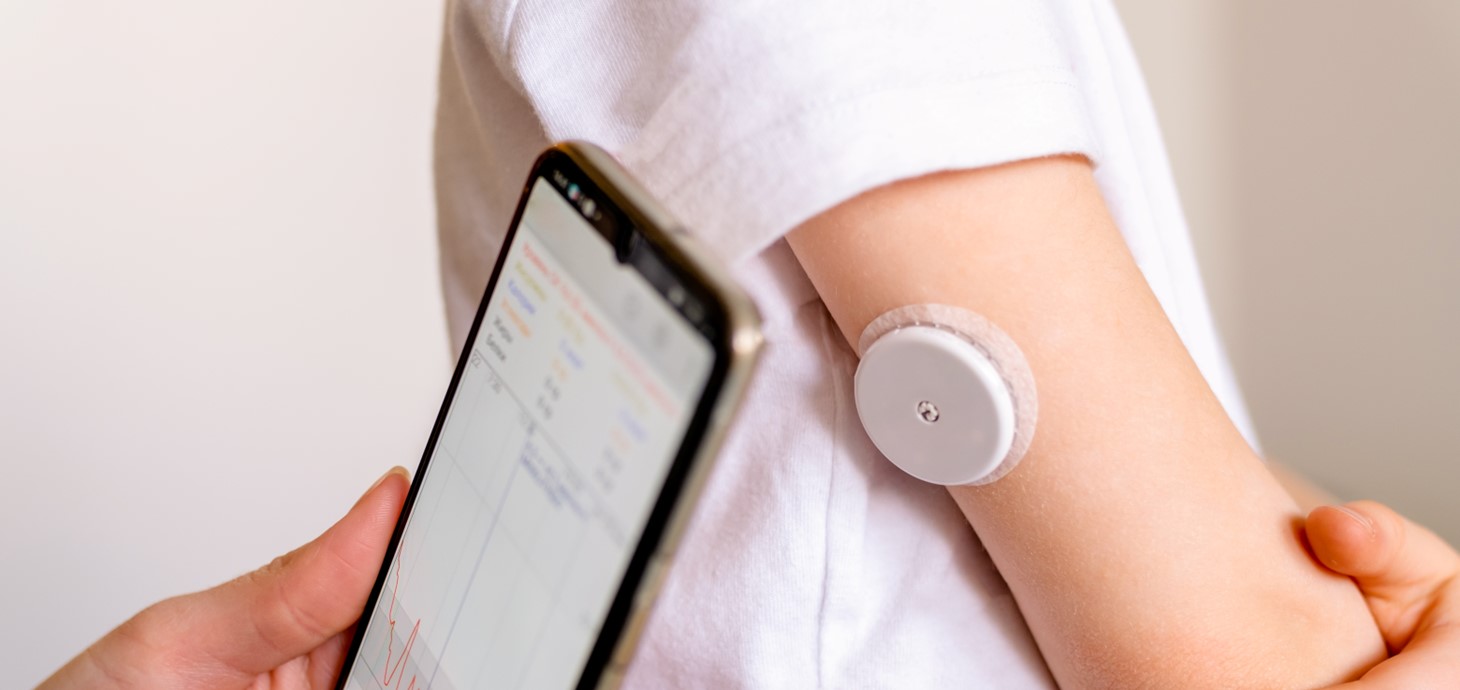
747, 118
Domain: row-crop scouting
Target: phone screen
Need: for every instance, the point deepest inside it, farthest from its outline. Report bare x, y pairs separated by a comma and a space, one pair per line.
577, 390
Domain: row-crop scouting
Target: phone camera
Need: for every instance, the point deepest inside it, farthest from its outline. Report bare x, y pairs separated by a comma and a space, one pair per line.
625, 244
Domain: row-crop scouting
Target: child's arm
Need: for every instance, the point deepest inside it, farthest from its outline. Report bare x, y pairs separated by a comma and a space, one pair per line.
1146, 544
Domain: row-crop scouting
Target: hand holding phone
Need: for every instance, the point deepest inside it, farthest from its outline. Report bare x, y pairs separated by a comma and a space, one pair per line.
285, 625
603, 363
597, 379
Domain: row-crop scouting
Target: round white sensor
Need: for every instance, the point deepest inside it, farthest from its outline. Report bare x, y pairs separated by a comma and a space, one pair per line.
935, 405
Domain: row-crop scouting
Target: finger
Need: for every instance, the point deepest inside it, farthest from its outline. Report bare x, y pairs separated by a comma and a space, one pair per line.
301, 600
1399, 566
327, 660
1379, 548
1429, 661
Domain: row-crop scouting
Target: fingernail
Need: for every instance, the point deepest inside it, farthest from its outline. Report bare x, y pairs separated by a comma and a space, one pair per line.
394, 470
1368, 526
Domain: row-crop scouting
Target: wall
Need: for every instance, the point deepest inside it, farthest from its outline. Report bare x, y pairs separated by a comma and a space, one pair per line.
221, 317
1317, 154
218, 290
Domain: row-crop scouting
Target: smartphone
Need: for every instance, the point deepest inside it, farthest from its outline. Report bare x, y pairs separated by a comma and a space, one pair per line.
603, 366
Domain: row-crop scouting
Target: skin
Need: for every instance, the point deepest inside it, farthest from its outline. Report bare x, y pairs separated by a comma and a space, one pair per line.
1411, 581
285, 626
1146, 544
1116, 550
1307, 495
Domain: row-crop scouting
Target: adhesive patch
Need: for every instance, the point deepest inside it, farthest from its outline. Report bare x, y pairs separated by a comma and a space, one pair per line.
945, 394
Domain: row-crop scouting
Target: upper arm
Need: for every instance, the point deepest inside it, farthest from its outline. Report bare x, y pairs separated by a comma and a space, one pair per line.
1142, 538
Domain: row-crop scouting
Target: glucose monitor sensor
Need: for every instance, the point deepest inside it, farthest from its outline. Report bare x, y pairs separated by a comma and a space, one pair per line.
945, 394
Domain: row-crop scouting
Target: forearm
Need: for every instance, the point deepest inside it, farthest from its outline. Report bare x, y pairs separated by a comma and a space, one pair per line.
1143, 540
1306, 494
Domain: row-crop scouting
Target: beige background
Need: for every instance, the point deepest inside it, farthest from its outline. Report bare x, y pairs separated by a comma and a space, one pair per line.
220, 312
1317, 148
218, 289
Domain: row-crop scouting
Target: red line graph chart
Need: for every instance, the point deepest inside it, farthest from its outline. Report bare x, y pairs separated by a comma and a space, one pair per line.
543, 470
395, 666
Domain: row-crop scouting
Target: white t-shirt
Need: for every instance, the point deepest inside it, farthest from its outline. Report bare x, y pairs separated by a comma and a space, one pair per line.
811, 561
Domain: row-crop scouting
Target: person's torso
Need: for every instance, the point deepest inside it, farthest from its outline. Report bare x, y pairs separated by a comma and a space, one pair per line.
811, 561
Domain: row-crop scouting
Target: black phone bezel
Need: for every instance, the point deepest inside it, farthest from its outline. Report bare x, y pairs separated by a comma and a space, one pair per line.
628, 230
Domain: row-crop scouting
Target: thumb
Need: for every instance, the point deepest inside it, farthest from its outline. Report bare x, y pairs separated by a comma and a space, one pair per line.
1378, 547
291, 606
1398, 565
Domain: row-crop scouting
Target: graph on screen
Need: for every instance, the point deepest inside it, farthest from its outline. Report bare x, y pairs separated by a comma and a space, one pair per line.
557, 438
